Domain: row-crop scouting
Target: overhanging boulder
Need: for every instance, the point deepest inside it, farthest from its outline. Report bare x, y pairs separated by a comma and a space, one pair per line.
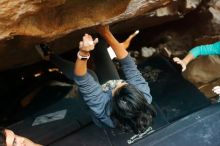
62, 22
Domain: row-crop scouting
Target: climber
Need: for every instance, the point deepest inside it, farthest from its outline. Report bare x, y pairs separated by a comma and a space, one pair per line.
124, 104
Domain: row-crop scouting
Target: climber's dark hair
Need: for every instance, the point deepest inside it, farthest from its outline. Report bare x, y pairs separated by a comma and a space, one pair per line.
2, 137
130, 109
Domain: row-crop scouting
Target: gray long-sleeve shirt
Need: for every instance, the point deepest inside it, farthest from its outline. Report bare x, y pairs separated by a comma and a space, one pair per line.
99, 100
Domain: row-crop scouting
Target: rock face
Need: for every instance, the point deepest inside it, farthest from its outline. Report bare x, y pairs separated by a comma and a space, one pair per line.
58, 22
215, 10
14, 12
